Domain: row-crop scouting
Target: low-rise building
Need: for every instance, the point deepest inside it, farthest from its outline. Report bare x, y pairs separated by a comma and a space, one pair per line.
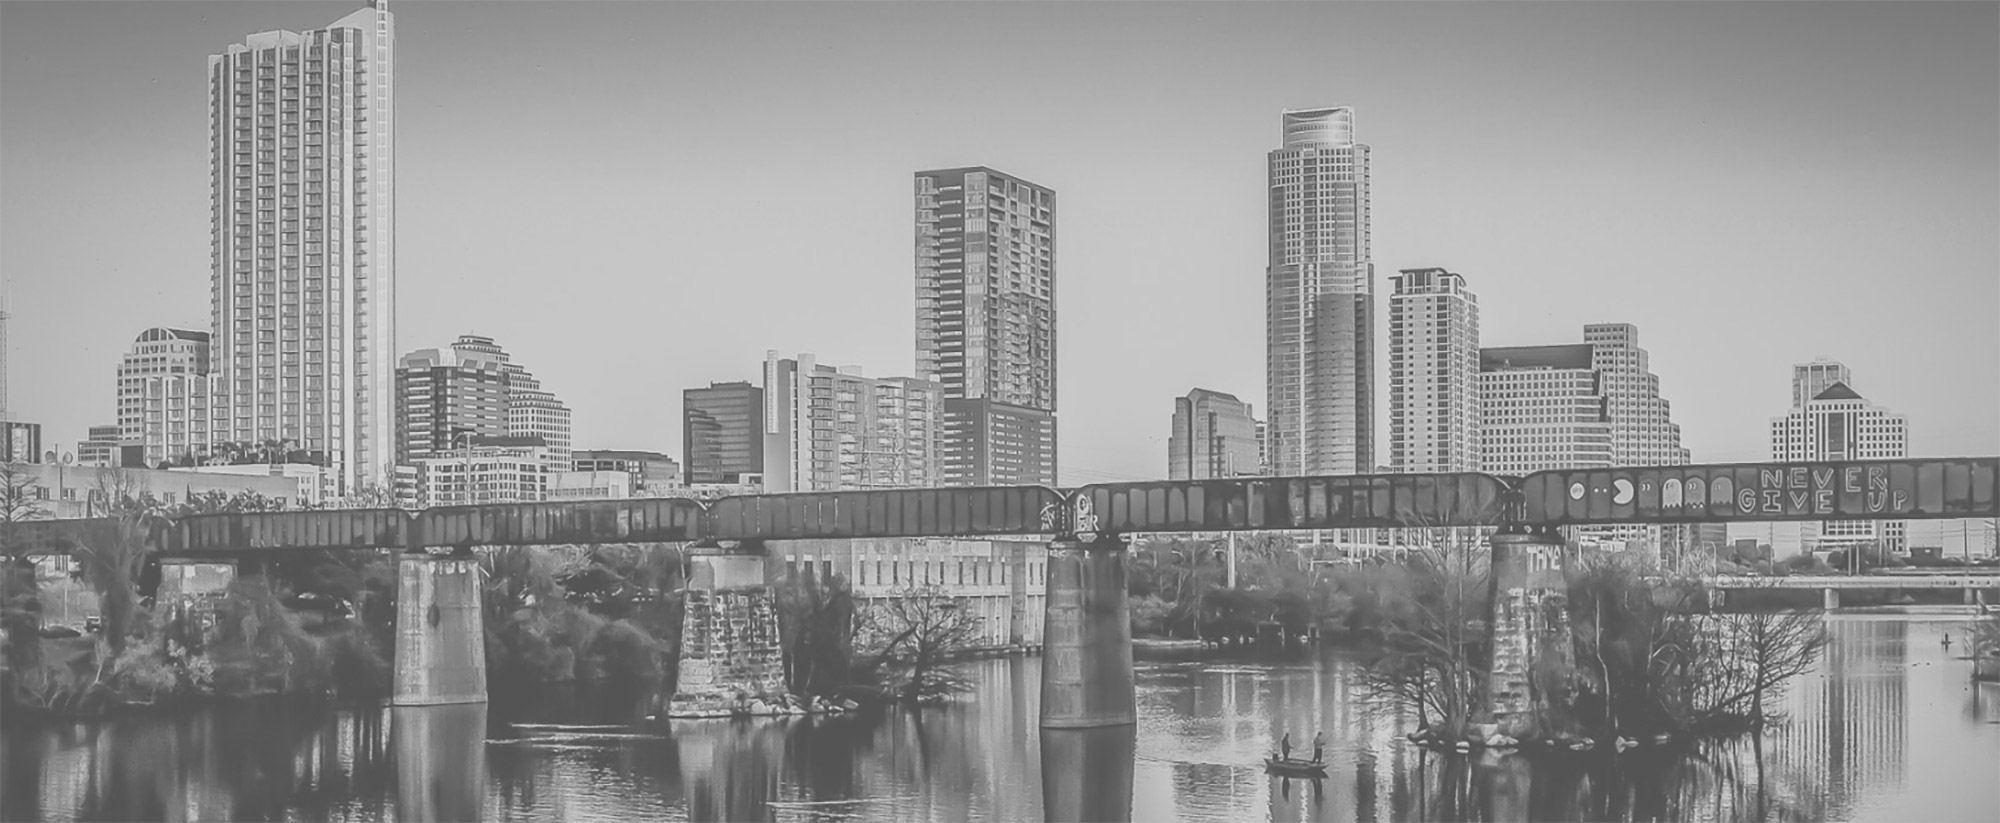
313, 482
100, 448
589, 485
1003, 582
83, 491
653, 474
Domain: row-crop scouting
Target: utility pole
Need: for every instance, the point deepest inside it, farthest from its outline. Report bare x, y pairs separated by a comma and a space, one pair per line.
1232, 560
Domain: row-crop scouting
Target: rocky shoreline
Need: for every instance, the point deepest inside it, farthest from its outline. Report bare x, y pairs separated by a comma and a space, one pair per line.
788, 705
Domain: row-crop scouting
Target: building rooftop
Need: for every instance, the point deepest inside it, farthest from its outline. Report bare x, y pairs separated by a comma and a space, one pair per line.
1507, 358
1837, 391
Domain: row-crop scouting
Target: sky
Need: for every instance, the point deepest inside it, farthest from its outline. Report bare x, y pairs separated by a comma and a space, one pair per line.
635, 198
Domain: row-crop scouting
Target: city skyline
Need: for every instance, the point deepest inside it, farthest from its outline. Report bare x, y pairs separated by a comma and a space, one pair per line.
1118, 369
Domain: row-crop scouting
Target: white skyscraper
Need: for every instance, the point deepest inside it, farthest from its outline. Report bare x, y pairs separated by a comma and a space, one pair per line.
301, 127
1809, 379
1319, 292
1433, 373
1642, 429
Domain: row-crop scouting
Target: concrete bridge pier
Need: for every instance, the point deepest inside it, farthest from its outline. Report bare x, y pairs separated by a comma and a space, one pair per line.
730, 648
440, 630
1087, 637
1529, 687
1829, 599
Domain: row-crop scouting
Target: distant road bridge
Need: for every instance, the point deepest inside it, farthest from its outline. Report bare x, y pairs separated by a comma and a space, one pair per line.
1975, 586
1087, 672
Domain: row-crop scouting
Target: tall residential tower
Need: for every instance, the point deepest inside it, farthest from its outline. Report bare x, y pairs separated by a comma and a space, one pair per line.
1319, 288
303, 248
1433, 373
986, 322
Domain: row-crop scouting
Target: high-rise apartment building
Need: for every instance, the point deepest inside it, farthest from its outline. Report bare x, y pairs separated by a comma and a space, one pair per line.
833, 429
3, 358
722, 432
1836, 423
1319, 292
1214, 436
1434, 373
1642, 429
474, 388
163, 397
1541, 408
303, 249
986, 322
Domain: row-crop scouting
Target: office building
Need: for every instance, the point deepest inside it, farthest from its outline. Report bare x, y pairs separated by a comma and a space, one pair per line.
1320, 285
1541, 408
1809, 379
1433, 373
1837, 423
652, 474
986, 322
21, 442
302, 130
1214, 436
100, 448
531, 410
722, 432
834, 429
474, 389
443, 397
1002, 583
508, 469
164, 398
1642, 429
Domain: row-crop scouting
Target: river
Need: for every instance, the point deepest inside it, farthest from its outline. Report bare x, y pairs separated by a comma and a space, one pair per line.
1889, 728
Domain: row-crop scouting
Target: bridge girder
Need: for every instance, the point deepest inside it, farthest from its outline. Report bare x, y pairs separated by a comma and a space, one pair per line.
1899, 490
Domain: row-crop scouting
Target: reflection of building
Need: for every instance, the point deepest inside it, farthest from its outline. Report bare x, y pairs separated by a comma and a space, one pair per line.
1214, 436
829, 429
722, 432
1846, 735
1320, 291
986, 322
1433, 373
1835, 423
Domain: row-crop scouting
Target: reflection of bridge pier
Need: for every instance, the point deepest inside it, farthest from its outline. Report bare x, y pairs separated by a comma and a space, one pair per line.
1087, 773
440, 761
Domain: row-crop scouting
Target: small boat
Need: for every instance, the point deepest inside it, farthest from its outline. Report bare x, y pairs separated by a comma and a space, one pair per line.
1293, 767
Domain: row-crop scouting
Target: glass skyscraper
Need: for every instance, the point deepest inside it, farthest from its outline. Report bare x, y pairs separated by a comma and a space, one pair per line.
1319, 292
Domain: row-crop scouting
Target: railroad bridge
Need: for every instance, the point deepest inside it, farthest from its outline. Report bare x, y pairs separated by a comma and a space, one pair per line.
1087, 647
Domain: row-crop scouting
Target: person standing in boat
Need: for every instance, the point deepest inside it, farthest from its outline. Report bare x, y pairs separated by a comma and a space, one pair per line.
1285, 747
1319, 746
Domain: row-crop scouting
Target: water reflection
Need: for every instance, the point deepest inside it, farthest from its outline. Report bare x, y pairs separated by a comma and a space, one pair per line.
1087, 774
1889, 728
440, 761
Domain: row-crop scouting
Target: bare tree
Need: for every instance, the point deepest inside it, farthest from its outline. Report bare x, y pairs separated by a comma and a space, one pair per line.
1435, 647
20, 592
1760, 653
921, 631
